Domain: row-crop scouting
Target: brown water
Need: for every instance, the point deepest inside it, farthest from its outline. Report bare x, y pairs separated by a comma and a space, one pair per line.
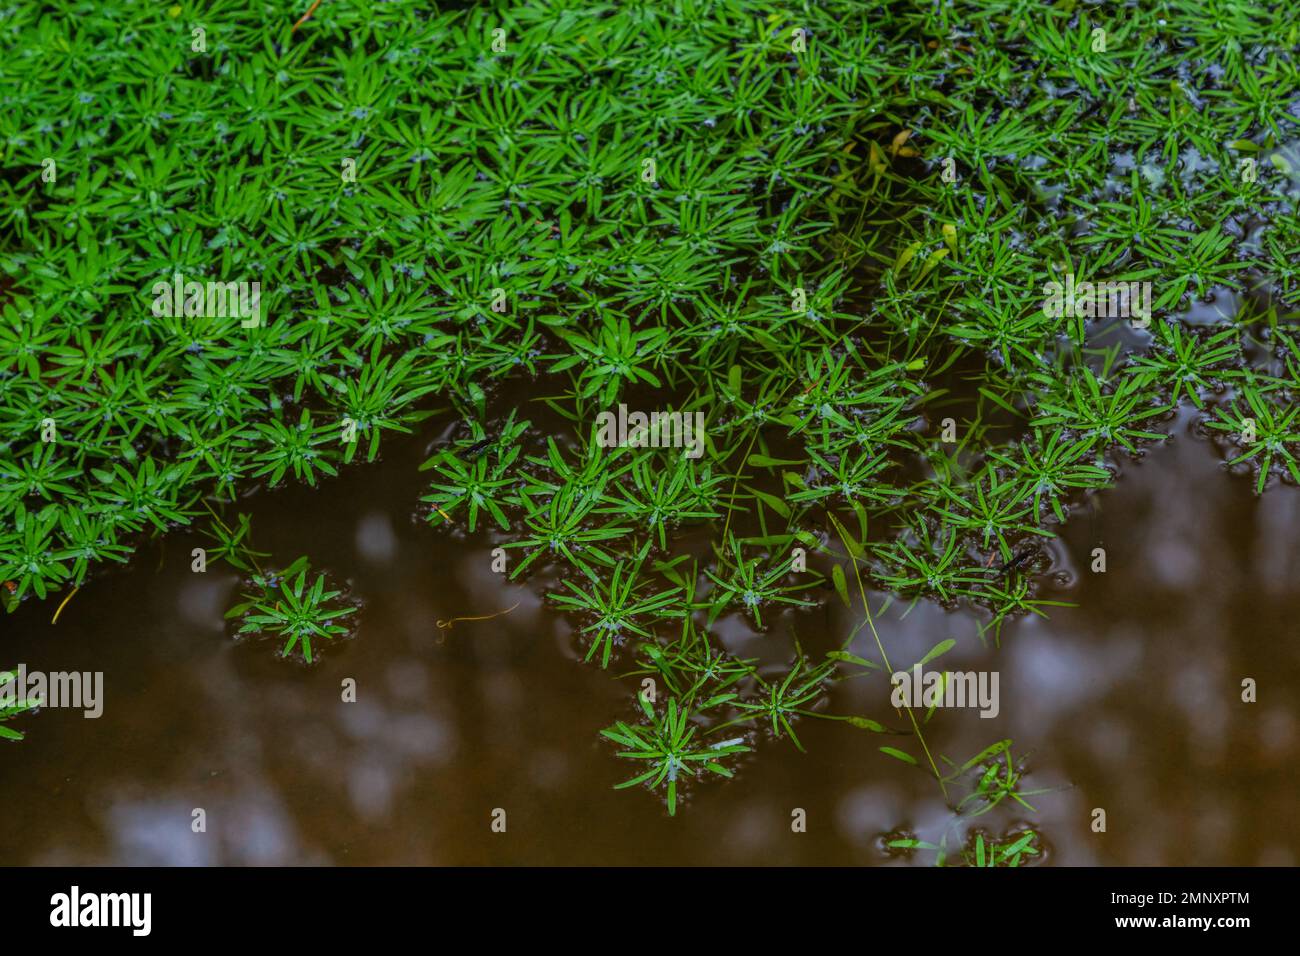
1129, 702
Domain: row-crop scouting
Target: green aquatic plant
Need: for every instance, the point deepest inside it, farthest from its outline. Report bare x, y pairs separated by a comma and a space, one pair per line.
997, 777
928, 561
1265, 427
12, 705
692, 666
1016, 849
618, 609
28, 553
990, 777
669, 744
292, 605
234, 546
753, 583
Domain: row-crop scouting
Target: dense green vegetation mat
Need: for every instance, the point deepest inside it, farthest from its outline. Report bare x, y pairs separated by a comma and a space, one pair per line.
829, 228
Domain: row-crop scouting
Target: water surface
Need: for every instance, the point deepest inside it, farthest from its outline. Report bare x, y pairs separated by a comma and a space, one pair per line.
1130, 702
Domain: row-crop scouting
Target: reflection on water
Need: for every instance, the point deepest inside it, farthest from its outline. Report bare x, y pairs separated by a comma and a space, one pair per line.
1130, 702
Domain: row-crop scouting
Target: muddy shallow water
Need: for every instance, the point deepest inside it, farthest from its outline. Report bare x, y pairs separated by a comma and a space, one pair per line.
1130, 702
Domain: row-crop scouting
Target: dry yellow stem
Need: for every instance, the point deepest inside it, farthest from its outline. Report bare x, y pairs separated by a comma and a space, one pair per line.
446, 625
